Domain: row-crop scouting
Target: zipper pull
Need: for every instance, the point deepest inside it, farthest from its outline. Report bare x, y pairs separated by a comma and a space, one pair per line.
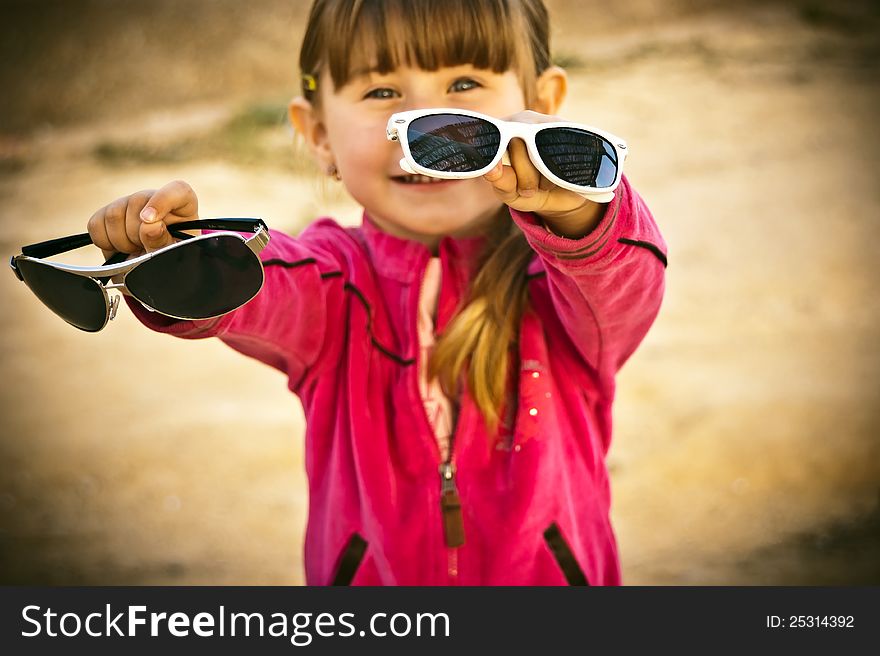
453, 527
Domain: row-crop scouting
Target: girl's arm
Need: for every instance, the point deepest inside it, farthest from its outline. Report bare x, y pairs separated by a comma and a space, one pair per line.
607, 286
286, 324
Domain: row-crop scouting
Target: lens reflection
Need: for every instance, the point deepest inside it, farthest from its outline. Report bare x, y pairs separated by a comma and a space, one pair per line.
76, 299
453, 143
578, 156
199, 279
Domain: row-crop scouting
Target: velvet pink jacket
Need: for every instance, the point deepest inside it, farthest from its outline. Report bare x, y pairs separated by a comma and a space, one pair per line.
338, 316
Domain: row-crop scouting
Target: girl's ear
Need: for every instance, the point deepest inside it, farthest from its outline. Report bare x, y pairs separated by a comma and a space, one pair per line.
552, 87
307, 123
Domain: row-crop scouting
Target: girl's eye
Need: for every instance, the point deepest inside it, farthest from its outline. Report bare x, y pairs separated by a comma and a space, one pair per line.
382, 93
464, 84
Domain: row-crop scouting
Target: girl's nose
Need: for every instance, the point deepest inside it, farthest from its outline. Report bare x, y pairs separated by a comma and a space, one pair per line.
422, 104
423, 100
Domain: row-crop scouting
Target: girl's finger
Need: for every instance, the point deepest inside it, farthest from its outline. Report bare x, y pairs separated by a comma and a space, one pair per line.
155, 235
503, 180
173, 203
98, 232
527, 176
114, 222
136, 203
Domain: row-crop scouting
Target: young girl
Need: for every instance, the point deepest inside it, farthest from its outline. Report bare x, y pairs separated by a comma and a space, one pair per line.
455, 354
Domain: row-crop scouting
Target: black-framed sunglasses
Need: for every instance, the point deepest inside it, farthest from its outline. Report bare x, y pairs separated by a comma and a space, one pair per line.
200, 277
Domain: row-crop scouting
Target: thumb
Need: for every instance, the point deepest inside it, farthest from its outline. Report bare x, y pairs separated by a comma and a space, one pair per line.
155, 236
173, 203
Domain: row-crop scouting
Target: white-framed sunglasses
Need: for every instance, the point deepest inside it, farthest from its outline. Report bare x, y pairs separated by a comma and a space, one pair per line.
457, 143
200, 277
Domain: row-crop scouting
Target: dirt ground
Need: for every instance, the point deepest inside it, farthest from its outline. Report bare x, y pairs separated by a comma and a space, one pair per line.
747, 430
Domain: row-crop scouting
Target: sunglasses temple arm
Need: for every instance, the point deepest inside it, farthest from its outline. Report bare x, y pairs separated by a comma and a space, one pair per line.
56, 246
236, 225
64, 244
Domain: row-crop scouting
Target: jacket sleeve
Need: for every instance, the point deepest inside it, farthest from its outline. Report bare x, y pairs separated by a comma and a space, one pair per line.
606, 287
286, 324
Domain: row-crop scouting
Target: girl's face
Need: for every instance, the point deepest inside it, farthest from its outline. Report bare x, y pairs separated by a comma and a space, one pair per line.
353, 120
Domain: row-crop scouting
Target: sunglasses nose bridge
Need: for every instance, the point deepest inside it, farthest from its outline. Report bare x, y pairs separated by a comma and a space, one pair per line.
503, 154
524, 135
511, 130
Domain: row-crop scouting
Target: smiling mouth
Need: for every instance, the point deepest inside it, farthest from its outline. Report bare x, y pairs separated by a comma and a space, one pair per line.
417, 179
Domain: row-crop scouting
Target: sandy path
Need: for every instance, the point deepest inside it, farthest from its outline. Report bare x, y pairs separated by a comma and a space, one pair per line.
746, 445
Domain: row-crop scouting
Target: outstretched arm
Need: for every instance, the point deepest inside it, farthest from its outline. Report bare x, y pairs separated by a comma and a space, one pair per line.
607, 286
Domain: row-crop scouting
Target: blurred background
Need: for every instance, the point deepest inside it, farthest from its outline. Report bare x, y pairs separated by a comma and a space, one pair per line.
747, 425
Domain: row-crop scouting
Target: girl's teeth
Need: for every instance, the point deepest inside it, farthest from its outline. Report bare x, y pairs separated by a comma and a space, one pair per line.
419, 179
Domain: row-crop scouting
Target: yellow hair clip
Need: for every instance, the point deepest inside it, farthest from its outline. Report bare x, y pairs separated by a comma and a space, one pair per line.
309, 82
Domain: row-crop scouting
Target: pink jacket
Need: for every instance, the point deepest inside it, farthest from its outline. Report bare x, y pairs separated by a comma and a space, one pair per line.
337, 314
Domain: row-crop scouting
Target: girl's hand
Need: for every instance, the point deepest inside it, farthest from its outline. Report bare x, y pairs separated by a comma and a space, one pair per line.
137, 224
522, 187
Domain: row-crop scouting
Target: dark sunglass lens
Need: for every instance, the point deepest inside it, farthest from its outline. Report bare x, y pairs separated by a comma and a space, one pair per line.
199, 279
578, 157
453, 143
76, 299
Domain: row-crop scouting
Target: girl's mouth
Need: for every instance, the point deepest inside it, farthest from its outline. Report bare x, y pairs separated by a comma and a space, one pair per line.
416, 179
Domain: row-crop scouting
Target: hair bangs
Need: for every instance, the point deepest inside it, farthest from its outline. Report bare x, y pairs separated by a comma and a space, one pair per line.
382, 35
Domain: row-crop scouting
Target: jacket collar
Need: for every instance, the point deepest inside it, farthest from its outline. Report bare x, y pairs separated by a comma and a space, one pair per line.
404, 260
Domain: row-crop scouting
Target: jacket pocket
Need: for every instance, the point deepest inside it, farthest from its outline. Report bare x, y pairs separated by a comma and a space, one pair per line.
564, 556
350, 560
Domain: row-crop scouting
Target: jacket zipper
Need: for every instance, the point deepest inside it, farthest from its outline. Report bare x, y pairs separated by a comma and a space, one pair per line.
450, 504
453, 526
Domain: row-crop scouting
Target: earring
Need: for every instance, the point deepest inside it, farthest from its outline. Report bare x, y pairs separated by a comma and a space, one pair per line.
333, 172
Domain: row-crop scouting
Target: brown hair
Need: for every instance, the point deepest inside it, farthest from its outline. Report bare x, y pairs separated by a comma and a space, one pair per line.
344, 37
